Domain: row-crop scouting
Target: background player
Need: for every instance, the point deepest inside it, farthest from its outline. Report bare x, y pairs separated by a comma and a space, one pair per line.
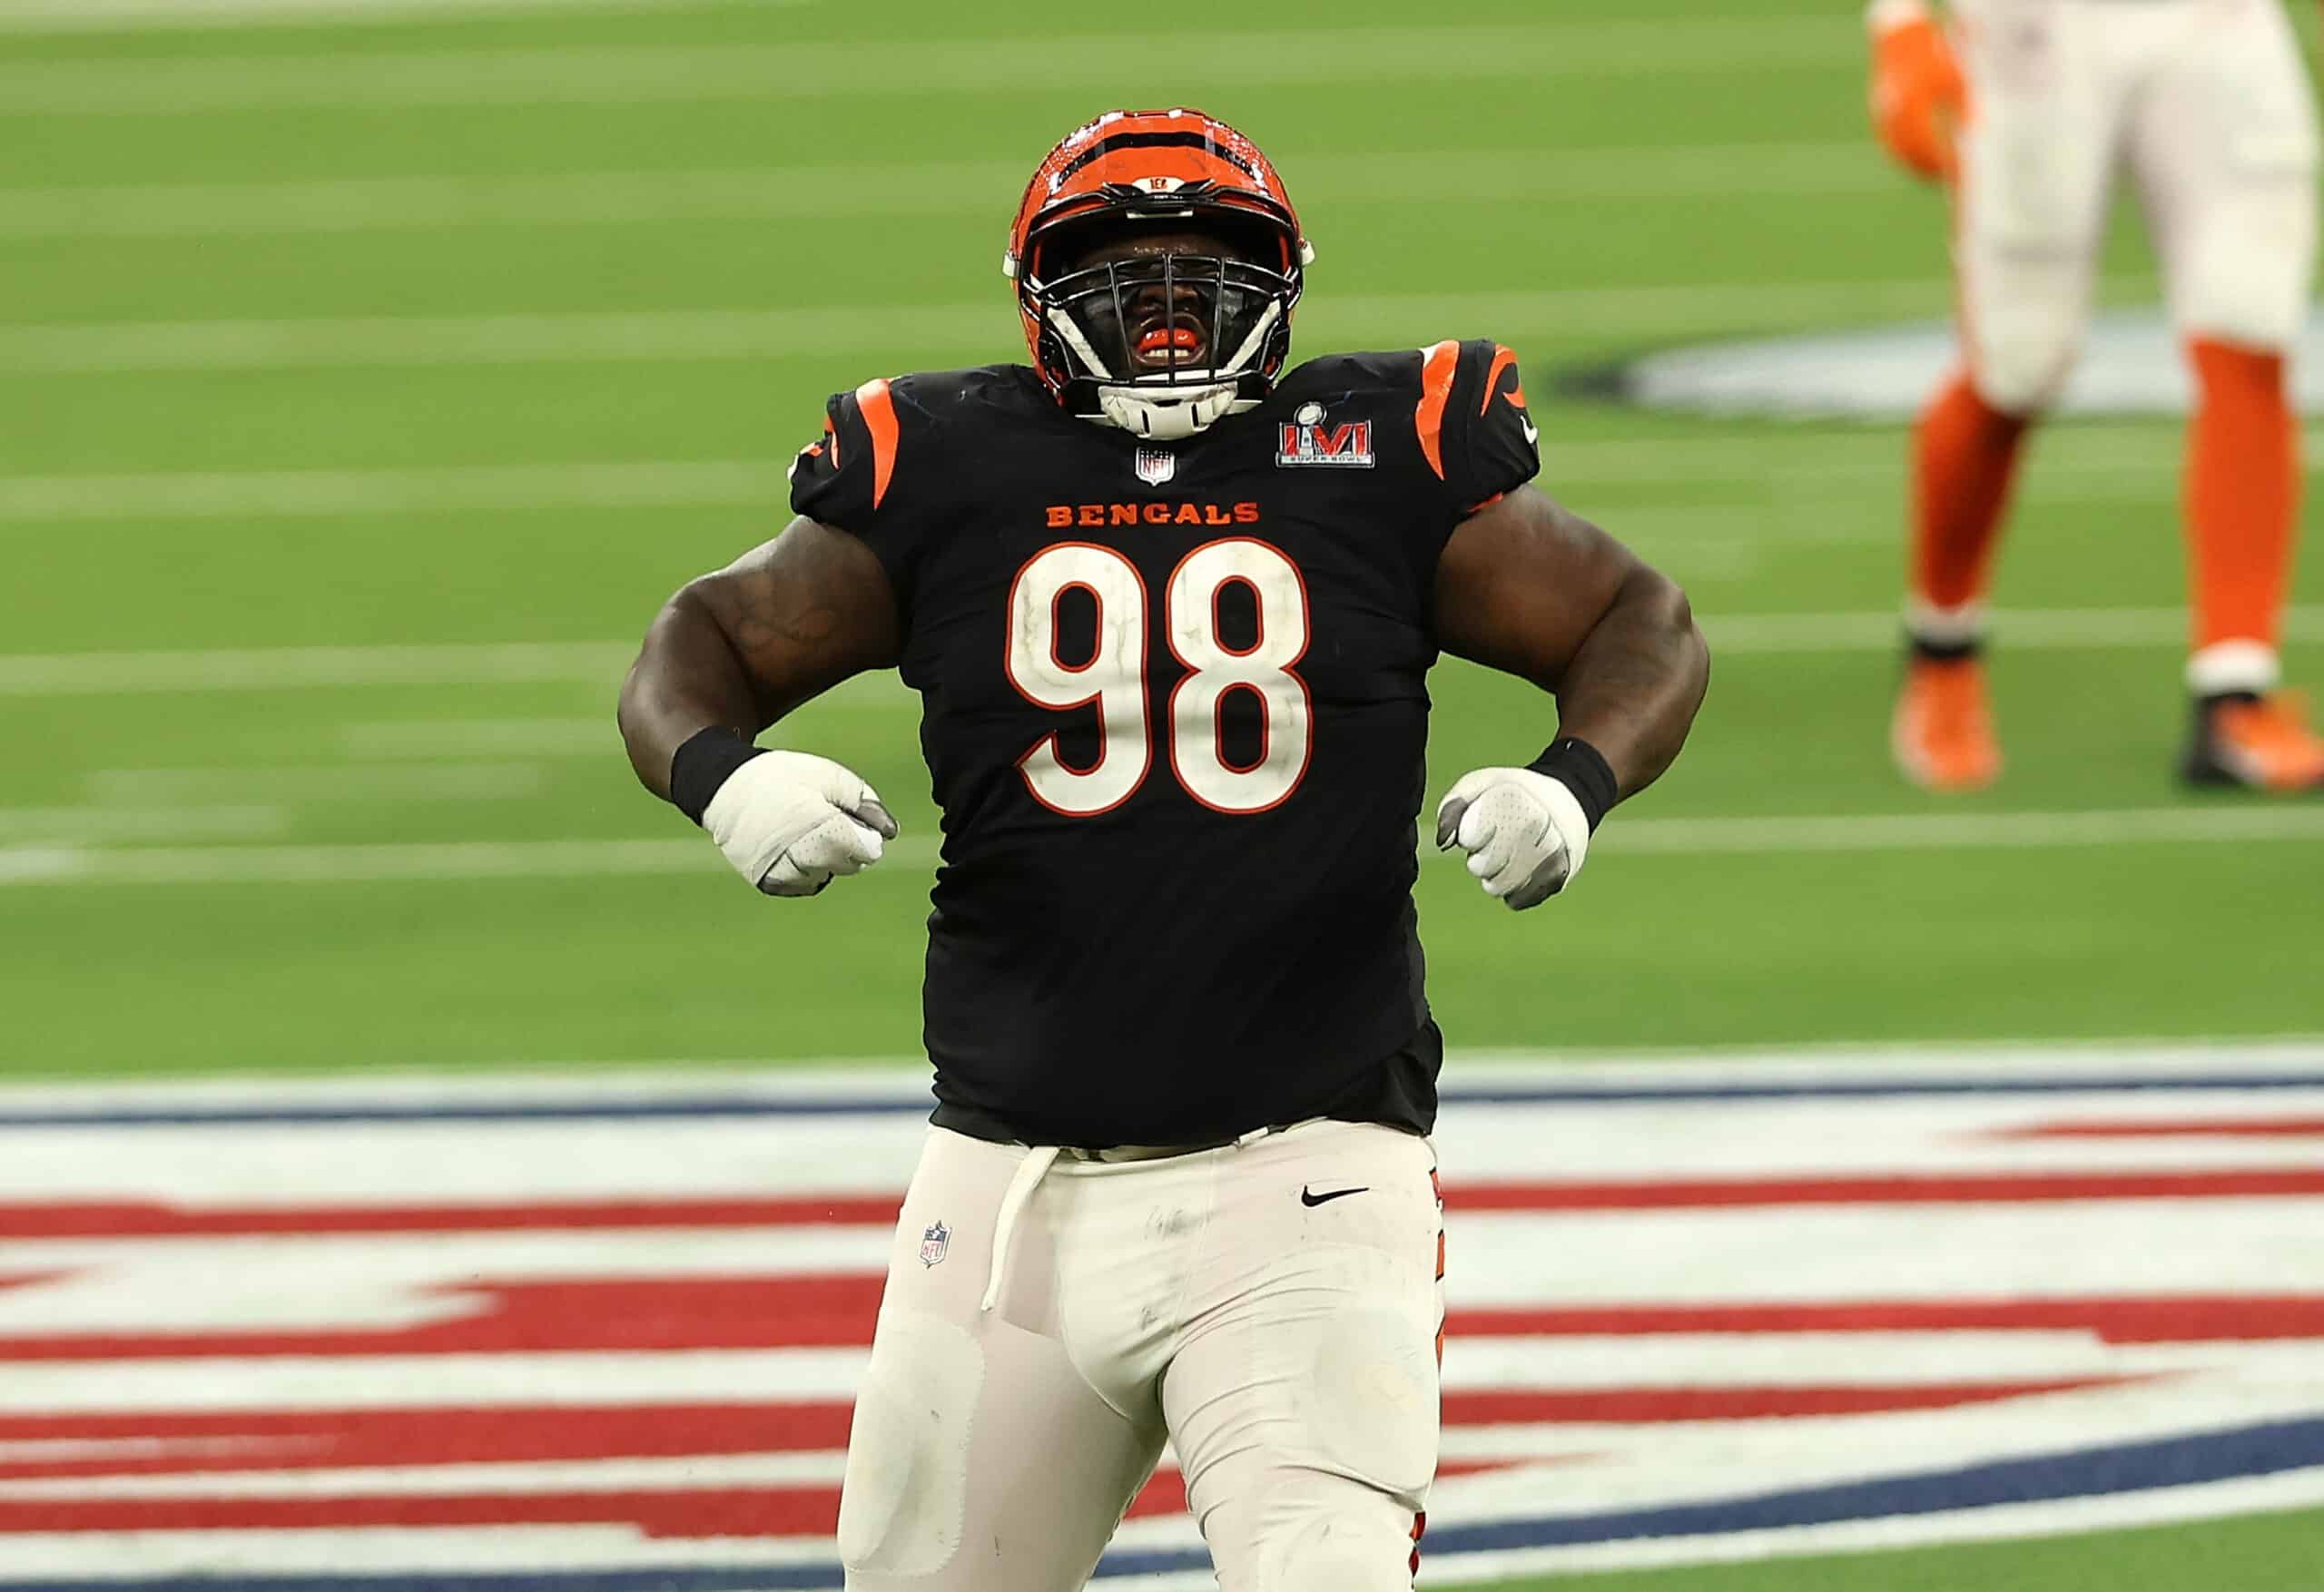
1170, 612
2207, 105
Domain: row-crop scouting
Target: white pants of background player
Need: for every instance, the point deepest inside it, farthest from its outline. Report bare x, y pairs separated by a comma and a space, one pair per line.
2207, 105
1286, 1349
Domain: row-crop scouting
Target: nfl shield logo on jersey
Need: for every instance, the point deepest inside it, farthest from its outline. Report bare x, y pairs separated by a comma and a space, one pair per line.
1308, 441
934, 1243
1156, 465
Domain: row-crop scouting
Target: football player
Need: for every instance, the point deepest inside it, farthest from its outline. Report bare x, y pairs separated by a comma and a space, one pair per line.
2029, 107
1170, 609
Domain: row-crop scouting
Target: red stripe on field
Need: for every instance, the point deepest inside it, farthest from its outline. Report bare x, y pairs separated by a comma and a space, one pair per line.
1972, 1188
131, 1219
741, 1511
2185, 1128
2230, 1317
663, 1512
345, 1439
667, 1315
140, 1219
156, 1443
646, 1315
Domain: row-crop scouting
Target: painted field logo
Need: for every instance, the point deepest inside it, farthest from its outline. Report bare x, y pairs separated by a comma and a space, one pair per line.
1768, 1310
2131, 364
1308, 440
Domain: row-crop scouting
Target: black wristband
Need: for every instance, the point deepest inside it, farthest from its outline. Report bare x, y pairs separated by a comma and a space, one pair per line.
1577, 765
707, 760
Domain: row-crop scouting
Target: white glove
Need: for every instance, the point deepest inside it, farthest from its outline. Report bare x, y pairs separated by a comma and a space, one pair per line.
1525, 833
789, 823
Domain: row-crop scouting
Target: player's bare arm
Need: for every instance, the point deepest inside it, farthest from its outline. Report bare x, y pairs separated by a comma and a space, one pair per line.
1532, 589
733, 652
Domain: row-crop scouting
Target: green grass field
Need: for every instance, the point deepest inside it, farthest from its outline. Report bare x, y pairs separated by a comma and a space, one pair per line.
443, 367
2267, 1552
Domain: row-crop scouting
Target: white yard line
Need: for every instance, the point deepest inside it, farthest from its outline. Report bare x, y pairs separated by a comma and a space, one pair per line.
2027, 629
1715, 535
940, 330
456, 859
549, 736
904, 68
2094, 460
908, 335
909, 858
503, 340
108, 825
1966, 831
601, 664
605, 199
454, 489
575, 735
912, 334
397, 782
280, 668
75, 16
2092, 466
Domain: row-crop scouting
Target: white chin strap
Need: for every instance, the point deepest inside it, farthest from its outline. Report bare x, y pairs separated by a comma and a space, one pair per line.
1168, 413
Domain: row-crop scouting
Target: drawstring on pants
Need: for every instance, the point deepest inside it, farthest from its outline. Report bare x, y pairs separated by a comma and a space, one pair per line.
1028, 1174
1039, 1158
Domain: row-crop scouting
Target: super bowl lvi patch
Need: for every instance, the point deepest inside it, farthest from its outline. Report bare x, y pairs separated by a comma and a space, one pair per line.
1310, 437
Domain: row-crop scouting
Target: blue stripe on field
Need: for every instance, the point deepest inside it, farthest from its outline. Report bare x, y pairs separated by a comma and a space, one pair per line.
2262, 1450
643, 1108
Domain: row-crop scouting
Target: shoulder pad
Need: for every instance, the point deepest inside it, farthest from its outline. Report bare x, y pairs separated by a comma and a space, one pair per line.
843, 478
889, 432
1475, 431
1334, 374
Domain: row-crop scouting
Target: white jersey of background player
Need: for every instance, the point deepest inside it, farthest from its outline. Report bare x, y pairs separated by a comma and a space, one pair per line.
2033, 109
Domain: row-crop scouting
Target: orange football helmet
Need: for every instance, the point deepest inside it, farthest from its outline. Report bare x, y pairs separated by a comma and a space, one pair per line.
1160, 344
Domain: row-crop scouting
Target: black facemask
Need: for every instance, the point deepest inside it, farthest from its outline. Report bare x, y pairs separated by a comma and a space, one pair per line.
1153, 319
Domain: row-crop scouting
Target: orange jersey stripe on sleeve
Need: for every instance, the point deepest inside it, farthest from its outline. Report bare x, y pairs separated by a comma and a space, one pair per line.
1503, 359
1438, 364
879, 409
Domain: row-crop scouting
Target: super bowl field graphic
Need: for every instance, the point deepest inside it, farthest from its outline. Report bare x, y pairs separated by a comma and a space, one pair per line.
600, 1337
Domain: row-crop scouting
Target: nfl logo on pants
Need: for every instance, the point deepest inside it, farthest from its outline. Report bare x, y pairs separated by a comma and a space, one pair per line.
934, 1243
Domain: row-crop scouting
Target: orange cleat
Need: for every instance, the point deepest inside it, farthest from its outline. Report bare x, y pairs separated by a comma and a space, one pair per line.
1943, 736
2257, 743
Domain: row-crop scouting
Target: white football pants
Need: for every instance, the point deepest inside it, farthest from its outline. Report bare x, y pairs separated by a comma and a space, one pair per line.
2206, 104
1285, 1344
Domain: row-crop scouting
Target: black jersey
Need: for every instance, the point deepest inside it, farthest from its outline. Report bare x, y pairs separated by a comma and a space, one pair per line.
1175, 711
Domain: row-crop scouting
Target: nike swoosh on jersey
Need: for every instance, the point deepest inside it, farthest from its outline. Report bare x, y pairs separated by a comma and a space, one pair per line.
1309, 1198
1533, 432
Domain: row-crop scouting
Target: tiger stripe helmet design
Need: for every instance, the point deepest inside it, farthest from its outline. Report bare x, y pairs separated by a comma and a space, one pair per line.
1171, 170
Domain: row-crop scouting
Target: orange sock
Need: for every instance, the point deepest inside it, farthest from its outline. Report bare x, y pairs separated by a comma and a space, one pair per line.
2242, 493
1966, 458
